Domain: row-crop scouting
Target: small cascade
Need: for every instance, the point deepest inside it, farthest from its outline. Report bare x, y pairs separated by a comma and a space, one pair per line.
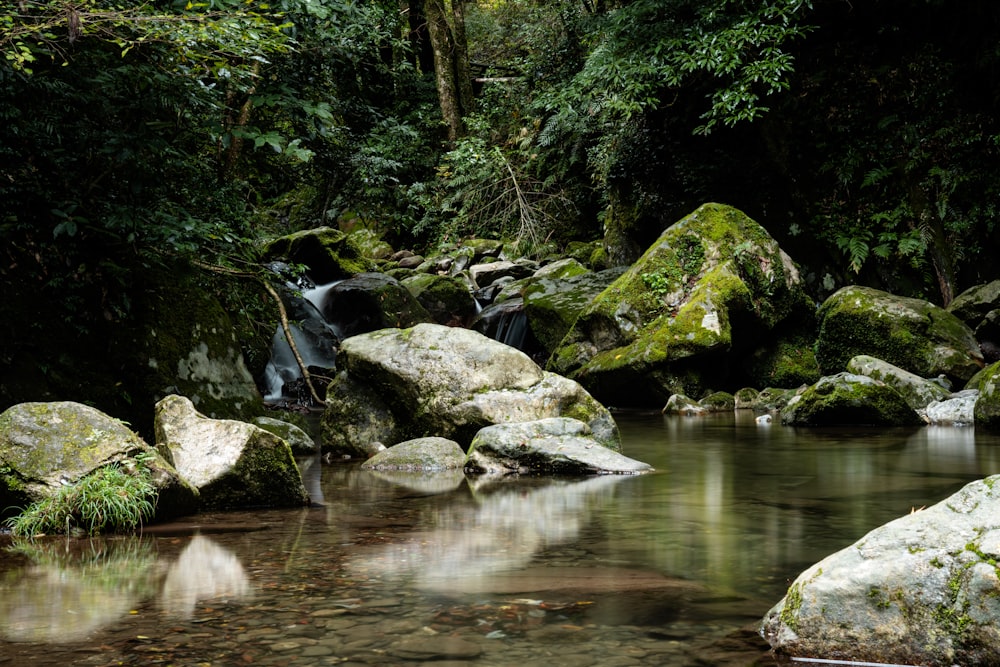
315, 339
512, 329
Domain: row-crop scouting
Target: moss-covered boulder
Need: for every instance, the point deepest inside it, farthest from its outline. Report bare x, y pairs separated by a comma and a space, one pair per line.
431, 380
705, 294
913, 334
371, 301
44, 446
987, 410
787, 360
920, 590
300, 442
846, 398
233, 464
448, 299
972, 305
432, 454
329, 254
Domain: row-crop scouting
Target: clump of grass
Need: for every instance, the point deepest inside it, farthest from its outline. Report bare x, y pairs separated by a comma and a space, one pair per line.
110, 499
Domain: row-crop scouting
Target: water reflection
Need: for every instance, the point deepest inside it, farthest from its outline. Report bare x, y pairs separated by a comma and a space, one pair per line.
203, 571
73, 588
502, 528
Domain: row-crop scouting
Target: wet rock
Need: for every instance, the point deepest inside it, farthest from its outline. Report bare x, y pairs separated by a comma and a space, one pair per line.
329, 253
847, 398
922, 589
958, 410
447, 299
679, 404
548, 446
371, 301
987, 410
231, 463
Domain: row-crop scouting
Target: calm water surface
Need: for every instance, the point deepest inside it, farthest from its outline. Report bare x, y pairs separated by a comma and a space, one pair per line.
671, 568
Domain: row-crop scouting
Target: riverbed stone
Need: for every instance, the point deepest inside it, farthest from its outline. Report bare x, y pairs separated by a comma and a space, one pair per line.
711, 288
447, 299
917, 391
847, 398
442, 381
371, 301
920, 590
437, 647
958, 409
546, 446
301, 443
231, 463
45, 446
913, 334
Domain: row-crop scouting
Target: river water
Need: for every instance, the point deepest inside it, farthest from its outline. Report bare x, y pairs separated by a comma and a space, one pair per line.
670, 568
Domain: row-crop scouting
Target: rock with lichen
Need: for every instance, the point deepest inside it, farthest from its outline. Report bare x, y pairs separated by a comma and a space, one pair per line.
45, 446
708, 292
920, 590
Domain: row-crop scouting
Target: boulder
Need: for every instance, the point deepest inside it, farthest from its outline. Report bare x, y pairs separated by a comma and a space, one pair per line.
917, 391
972, 305
447, 299
300, 442
44, 446
846, 398
559, 446
329, 254
233, 464
430, 454
987, 411
432, 380
368, 302
913, 334
957, 410
702, 297
490, 272
679, 404
920, 590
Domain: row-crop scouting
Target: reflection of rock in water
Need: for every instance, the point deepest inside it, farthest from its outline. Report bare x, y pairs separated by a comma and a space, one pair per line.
203, 571
474, 547
70, 594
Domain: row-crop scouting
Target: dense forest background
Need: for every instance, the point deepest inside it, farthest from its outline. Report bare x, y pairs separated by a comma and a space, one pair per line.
862, 134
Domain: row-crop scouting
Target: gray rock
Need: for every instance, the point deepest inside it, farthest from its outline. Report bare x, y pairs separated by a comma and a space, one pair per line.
846, 398
421, 454
987, 409
486, 274
547, 446
231, 463
301, 442
913, 334
922, 589
432, 380
917, 391
957, 410
972, 305
679, 404
44, 446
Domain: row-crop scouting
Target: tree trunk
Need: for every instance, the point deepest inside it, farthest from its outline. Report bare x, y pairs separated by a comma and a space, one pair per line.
445, 67
420, 41
463, 73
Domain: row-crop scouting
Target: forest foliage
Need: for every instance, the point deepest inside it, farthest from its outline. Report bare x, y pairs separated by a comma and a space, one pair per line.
862, 134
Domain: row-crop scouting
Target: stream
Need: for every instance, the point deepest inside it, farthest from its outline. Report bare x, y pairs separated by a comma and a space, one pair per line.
671, 568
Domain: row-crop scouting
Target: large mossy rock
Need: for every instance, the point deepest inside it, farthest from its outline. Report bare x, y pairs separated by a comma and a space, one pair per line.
44, 446
846, 398
432, 380
233, 464
329, 254
979, 307
987, 410
912, 334
920, 590
704, 295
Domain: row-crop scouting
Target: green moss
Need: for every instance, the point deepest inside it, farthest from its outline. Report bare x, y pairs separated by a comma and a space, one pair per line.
790, 610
